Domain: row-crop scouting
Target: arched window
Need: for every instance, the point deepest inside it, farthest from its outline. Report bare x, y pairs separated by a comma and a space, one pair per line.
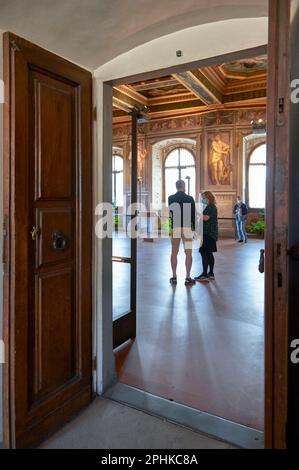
118, 181
179, 165
257, 178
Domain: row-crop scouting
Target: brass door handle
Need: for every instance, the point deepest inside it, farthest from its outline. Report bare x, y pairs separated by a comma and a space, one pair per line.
34, 233
262, 262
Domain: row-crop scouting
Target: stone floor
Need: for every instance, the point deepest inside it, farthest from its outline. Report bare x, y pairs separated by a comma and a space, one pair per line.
109, 425
201, 346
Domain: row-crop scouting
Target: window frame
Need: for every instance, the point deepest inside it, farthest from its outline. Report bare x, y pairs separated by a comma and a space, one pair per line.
114, 177
249, 164
178, 167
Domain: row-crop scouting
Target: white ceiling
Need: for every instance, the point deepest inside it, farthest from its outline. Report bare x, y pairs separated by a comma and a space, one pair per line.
92, 32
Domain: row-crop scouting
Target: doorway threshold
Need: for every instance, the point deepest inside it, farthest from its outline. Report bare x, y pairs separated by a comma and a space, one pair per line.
205, 423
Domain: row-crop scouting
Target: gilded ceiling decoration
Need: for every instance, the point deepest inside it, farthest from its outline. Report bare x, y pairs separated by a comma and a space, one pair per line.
246, 66
233, 85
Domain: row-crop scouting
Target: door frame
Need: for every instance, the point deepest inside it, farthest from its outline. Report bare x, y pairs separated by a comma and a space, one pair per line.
106, 133
277, 196
276, 317
124, 327
6, 245
275, 366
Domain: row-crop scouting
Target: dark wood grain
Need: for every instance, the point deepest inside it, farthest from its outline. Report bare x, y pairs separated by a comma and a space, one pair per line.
276, 308
6, 245
48, 178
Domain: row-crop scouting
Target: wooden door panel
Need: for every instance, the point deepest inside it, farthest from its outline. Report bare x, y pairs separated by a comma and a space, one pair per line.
54, 102
48, 186
54, 361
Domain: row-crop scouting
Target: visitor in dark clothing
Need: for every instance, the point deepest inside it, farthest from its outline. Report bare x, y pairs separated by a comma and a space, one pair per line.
182, 222
210, 237
241, 212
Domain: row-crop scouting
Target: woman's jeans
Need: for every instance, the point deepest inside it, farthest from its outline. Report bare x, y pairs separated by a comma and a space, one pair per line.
241, 228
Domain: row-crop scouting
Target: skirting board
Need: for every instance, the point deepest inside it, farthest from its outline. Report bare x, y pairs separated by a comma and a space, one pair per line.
213, 426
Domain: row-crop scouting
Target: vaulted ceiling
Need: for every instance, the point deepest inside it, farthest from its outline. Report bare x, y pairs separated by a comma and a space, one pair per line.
230, 85
92, 32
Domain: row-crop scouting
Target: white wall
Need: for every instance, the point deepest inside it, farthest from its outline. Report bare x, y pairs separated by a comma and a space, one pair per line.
200, 42
209, 40
92, 32
1, 224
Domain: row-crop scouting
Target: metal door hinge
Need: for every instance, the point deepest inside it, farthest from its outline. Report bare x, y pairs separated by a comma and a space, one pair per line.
281, 119
4, 231
281, 105
14, 46
95, 113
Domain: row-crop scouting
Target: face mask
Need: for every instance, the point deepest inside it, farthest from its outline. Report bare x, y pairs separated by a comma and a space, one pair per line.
204, 201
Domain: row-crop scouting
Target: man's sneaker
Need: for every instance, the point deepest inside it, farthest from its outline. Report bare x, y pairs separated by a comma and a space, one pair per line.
202, 278
211, 276
189, 281
240, 241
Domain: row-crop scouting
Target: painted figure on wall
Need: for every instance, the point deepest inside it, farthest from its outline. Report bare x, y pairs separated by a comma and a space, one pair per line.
142, 153
141, 156
219, 161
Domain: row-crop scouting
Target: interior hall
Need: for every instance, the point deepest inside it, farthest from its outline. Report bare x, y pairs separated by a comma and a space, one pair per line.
200, 346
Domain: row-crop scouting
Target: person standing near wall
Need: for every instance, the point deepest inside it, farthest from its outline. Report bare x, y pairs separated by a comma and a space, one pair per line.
240, 212
210, 237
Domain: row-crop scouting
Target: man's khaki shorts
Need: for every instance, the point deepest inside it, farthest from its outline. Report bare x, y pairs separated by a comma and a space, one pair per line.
185, 234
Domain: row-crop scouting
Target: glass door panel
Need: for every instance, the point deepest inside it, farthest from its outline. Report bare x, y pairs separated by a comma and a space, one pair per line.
124, 259
121, 292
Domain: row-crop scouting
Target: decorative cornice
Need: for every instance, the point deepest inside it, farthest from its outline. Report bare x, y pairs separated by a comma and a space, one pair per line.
195, 122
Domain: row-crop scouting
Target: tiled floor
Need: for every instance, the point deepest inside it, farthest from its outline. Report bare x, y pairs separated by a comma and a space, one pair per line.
200, 346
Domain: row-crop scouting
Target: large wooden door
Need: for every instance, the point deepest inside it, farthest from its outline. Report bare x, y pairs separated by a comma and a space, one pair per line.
293, 405
48, 244
277, 226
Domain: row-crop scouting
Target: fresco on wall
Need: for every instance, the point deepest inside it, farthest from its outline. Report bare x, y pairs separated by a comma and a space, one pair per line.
219, 158
142, 154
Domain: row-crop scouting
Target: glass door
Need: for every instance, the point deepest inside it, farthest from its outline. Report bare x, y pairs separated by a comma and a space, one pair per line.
124, 260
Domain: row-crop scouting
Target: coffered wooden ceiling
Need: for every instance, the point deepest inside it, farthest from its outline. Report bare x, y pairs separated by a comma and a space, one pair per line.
242, 83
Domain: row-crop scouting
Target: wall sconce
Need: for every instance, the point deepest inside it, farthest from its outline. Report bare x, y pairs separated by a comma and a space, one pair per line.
258, 126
